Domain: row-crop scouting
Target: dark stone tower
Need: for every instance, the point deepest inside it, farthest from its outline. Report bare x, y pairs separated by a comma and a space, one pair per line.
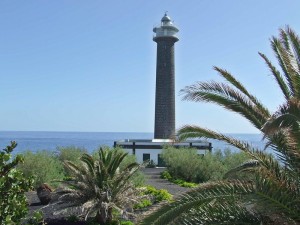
165, 37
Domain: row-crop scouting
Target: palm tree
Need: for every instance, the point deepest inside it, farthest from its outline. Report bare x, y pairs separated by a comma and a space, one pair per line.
275, 191
99, 186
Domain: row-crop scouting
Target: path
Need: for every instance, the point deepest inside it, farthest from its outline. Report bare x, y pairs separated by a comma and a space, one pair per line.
152, 177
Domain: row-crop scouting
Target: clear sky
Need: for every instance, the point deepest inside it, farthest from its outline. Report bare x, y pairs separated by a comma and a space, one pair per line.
71, 65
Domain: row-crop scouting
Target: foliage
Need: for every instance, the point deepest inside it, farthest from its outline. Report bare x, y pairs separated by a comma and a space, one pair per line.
138, 178
274, 196
183, 183
13, 185
166, 175
72, 218
37, 218
43, 165
149, 195
211, 166
143, 204
99, 185
159, 195
127, 223
151, 164
70, 153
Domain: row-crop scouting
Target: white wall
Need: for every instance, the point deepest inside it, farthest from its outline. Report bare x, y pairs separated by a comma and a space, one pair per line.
153, 154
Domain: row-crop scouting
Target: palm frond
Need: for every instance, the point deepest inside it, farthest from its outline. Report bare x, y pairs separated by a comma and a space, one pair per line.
222, 212
227, 97
232, 80
295, 43
280, 81
277, 196
198, 198
246, 166
289, 66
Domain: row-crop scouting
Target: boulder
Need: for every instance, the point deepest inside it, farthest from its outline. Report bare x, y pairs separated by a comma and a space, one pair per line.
44, 193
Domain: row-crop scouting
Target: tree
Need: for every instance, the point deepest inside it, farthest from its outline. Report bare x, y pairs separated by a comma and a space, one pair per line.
275, 191
13, 185
99, 186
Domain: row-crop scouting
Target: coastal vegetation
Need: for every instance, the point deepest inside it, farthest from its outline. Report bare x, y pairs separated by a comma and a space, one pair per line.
13, 185
48, 166
150, 195
44, 166
99, 186
272, 195
201, 168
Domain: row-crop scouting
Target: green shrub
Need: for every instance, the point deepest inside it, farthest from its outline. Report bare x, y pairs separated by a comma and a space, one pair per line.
127, 223
43, 165
181, 163
166, 175
151, 164
162, 195
185, 164
13, 185
37, 218
143, 204
70, 153
183, 183
159, 195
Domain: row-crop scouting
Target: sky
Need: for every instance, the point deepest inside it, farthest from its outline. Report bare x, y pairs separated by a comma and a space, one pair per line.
71, 65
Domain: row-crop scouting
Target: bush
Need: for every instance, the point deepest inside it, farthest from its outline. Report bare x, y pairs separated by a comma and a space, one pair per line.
181, 163
183, 183
127, 223
159, 195
37, 218
166, 175
13, 185
143, 204
185, 164
151, 164
70, 153
43, 165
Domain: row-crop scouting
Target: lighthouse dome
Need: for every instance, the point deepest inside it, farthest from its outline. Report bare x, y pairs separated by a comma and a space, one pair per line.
166, 18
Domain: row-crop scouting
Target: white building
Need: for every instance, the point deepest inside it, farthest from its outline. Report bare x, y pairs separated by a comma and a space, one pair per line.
146, 150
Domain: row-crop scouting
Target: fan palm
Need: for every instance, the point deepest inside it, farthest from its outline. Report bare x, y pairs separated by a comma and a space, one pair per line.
275, 191
99, 186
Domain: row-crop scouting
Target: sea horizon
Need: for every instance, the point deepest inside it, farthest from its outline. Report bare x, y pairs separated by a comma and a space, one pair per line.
64, 131
51, 140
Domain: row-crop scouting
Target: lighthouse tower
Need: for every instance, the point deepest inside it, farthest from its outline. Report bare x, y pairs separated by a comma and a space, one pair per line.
164, 131
165, 37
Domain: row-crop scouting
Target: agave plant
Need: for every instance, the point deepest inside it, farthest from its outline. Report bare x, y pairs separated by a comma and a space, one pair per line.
274, 193
99, 186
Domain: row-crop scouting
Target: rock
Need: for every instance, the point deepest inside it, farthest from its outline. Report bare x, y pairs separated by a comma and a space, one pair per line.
44, 193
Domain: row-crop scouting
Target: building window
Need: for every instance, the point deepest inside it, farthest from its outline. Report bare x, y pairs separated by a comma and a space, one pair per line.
146, 157
160, 161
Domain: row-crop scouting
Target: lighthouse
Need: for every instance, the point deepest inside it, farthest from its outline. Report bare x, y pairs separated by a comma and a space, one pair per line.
165, 37
147, 150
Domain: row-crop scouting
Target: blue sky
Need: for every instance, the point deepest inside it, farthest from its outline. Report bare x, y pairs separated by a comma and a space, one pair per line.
90, 65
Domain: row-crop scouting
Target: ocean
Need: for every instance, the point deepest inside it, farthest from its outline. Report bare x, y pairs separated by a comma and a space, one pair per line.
41, 140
